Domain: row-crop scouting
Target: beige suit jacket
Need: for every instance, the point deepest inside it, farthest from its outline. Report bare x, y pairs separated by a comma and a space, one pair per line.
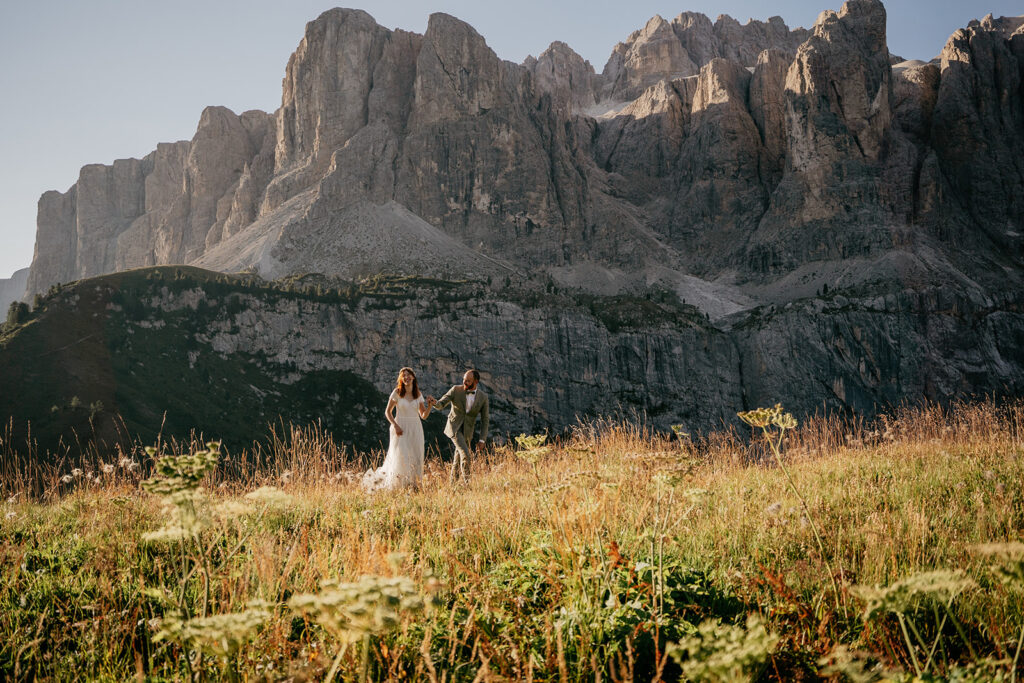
459, 419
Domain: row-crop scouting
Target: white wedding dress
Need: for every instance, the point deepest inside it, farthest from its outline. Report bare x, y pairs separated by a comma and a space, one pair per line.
403, 465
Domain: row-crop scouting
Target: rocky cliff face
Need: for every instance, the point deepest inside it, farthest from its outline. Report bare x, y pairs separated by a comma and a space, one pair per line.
182, 349
166, 208
741, 167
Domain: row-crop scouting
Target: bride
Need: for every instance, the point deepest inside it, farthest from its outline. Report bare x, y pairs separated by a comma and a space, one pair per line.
406, 409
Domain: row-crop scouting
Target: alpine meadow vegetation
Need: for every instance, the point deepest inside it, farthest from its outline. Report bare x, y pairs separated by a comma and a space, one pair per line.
825, 550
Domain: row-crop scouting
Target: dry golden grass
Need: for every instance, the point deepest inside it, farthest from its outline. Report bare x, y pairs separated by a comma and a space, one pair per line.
587, 563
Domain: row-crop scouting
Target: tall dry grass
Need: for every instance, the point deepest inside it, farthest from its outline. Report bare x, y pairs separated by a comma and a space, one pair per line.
588, 562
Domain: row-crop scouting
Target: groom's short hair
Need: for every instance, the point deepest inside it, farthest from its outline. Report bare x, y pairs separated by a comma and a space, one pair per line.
476, 375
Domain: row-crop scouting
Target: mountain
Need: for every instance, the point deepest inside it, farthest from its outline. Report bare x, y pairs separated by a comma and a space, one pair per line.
13, 288
736, 154
848, 223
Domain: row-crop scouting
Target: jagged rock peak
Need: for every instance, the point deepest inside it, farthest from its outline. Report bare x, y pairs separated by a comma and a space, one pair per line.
1005, 26
679, 49
328, 78
440, 24
457, 74
843, 71
566, 76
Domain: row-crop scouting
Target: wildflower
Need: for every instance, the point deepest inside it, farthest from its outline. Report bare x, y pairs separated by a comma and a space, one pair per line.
757, 418
128, 464
175, 473
532, 448
773, 509
232, 509
168, 534
107, 468
11, 514
221, 633
187, 515
67, 479
1001, 551
855, 666
369, 606
717, 652
76, 473
286, 477
1009, 560
396, 560
663, 479
904, 595
270, 495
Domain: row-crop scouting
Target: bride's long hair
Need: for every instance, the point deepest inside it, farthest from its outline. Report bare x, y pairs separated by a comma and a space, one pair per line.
400, 387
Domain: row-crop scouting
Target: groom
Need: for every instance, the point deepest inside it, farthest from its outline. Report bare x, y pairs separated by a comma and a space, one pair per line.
468, 402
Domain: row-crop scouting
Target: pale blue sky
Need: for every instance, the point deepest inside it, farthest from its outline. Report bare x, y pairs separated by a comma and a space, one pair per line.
90, 82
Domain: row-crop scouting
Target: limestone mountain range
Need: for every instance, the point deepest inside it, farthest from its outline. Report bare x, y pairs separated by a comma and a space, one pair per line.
733, 153
748, 169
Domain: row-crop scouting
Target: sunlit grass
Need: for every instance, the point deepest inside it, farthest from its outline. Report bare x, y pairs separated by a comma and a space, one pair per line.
591, 557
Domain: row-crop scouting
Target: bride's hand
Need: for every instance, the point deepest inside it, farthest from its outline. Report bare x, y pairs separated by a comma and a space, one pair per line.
398, 430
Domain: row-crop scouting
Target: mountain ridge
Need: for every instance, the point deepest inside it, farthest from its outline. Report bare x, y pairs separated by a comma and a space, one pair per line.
260, 179
174, 350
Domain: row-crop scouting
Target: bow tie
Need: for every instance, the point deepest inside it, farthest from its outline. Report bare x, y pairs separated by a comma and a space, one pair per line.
470, 392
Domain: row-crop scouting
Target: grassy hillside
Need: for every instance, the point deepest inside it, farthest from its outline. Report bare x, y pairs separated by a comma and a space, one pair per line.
75, 374
98, 363
614, 554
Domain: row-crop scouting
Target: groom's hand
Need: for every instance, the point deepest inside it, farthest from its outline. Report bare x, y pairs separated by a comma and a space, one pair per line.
480, 446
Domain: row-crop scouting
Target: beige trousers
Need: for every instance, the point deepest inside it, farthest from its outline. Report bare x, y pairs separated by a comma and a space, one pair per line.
460, 461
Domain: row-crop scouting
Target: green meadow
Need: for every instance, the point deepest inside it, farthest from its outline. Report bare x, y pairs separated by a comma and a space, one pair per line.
816, 551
